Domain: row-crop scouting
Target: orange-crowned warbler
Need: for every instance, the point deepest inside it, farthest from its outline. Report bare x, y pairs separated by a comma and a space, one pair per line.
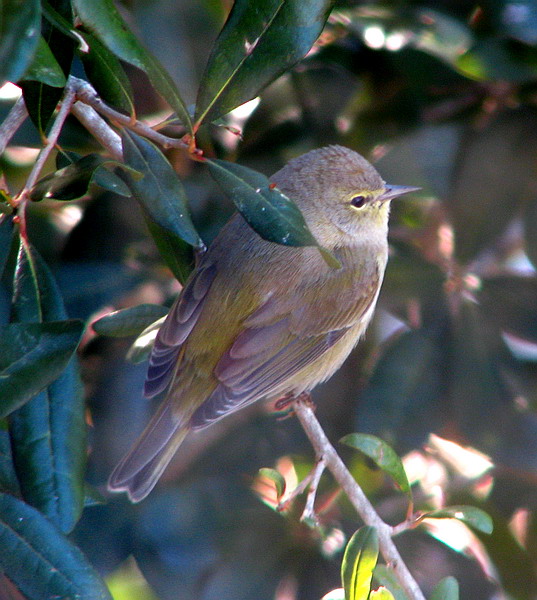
258, 320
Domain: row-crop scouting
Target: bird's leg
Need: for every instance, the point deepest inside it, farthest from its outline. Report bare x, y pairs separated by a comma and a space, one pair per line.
284, 403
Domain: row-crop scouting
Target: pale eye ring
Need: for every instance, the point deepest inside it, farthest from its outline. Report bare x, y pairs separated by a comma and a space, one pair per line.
358, 201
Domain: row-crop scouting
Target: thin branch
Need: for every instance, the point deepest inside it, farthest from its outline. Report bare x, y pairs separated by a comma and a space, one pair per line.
12, 122
100, 129
364, 508
87, 94
308, 513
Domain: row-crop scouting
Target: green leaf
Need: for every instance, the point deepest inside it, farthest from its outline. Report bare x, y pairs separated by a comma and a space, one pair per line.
20, 23
129, 321
44, 67
32, 355
73, 182
6, 233
381, 594
270, 213
8, 478
385, 576
277, 479
31, 544
160, 192
175, 252
446, 589
48, 433
359, 560
470, 515
259, 42
106, 74
41, 99
104, 21
142, 345
382, 455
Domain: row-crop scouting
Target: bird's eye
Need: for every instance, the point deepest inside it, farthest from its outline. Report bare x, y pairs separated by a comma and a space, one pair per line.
358, 201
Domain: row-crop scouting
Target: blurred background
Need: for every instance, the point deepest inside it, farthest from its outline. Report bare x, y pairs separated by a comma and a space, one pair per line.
441, 95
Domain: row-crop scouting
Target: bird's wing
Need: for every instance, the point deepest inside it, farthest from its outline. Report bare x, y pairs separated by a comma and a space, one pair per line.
179, 323
271, 350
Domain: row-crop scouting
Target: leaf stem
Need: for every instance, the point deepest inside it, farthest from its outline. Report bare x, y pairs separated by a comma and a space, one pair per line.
323, 448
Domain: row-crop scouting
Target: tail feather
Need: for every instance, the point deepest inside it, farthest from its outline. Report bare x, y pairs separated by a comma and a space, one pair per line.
139, 470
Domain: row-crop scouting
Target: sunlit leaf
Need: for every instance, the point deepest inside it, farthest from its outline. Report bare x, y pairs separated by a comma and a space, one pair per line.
381, 594
446, 589
73, 182
160, 191
20, 23
31, 544
259, 41
103, 19
385, 576
143, 344
359, 560
277, 479
475, 517
129, 321
48, 433
44, 67
382, 455
106, 74
175, 252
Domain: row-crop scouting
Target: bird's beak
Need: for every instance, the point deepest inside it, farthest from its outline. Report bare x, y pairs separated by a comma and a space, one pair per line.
394, 191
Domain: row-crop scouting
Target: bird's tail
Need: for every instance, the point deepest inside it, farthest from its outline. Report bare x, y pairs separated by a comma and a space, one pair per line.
139, 470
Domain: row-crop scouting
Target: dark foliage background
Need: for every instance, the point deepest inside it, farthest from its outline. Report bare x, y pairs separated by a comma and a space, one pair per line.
441, 95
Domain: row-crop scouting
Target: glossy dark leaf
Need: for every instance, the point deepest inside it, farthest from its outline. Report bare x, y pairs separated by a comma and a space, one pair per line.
8, 478
31, 544
175, 252
6, 232
160, 192
104, 21
32, 356
274, 216
257, 44
493, 178
129, 321
382, 455
73, 182
41, 99
48, 432
358, 563
44, 67
106, 74
470, 515
509, 302
20, 23
446, 589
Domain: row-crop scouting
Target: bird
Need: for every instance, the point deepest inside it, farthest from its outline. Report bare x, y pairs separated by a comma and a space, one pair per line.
258, 320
